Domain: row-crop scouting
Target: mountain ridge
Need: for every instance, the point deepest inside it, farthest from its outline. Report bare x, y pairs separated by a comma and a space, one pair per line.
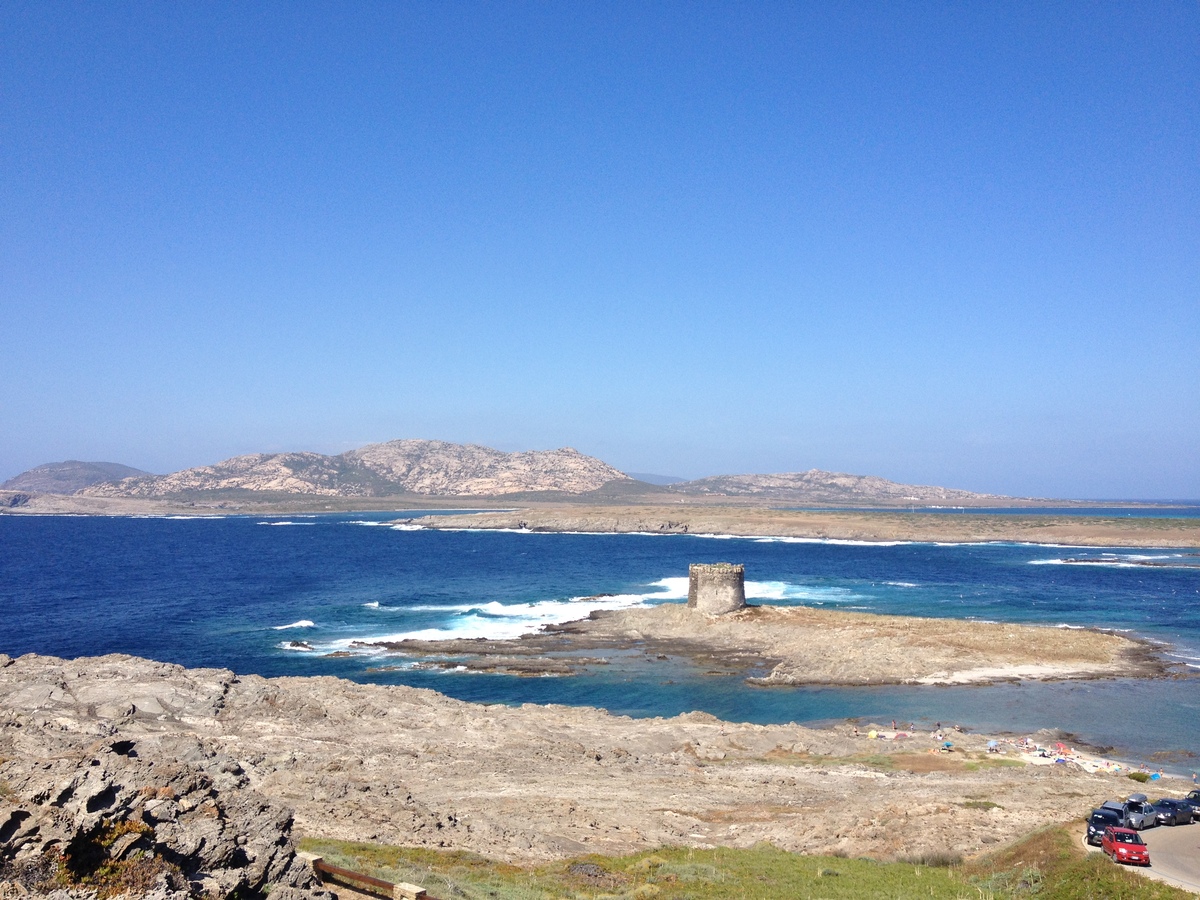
433, 468
443, 469
819, 486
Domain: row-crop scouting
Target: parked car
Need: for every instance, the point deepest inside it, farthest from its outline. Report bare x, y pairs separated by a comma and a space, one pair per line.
1193, 800
1172, 812
1125, 845
1139, 812
1103, 818
1118, 807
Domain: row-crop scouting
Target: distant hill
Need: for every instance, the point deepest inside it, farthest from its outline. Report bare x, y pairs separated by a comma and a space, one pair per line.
69, 476
656, 479
433, 468
442, 469
816, 486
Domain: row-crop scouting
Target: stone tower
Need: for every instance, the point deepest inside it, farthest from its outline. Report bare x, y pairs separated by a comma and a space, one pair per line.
716, 588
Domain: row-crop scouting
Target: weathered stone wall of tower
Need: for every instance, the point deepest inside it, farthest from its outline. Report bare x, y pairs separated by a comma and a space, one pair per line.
716, 588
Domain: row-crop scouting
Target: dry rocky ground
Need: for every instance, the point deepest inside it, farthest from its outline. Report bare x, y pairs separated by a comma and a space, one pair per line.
803, 645
408, 766
753, 521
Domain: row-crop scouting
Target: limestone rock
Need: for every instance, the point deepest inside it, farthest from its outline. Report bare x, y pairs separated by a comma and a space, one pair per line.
396, 467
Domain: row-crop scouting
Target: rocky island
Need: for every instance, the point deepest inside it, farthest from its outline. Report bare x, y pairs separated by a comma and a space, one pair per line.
566, 490
772, 645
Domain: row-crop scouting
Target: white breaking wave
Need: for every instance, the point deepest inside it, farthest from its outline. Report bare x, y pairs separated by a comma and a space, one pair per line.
840, 542
1119, 562
499, 621
286, 523
903, 584
670, 589
296, 647
494, 620
303, 623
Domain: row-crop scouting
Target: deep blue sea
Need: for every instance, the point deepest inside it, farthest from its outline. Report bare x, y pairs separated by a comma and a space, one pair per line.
238, 591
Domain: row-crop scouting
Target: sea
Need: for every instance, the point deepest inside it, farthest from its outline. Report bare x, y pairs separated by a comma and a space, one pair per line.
299, 595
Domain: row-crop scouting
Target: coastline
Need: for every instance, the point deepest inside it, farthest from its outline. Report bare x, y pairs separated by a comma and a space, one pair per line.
707, 517
394, 764
782, 646
834, 525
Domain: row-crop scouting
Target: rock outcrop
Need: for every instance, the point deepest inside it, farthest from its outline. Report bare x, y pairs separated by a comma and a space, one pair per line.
431, 468
816, 486
161, 815
220, 757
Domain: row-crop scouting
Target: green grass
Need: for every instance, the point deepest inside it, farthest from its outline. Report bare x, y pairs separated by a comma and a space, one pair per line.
1051, 865
1048, 865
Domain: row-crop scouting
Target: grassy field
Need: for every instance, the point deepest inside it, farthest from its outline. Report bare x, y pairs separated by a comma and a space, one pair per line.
1049, 865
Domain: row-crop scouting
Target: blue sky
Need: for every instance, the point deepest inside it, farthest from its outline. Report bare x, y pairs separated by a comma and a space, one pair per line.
952, 243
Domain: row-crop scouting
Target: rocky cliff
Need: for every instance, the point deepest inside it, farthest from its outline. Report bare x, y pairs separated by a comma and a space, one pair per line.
816, 486
433, 468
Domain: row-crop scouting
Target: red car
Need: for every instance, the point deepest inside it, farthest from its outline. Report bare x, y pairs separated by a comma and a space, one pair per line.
1125, 845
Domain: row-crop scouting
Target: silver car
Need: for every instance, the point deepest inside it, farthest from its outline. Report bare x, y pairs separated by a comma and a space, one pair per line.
1140, 812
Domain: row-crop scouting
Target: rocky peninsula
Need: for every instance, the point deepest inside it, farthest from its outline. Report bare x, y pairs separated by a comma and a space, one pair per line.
210, 763
772, 645
749, 520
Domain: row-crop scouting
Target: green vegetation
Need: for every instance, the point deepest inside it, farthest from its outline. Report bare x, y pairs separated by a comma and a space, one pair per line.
85, 863
1049, 865
1139, 777
759, 873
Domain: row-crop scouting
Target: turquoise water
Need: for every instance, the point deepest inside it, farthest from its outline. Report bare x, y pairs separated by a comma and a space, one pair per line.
241, 592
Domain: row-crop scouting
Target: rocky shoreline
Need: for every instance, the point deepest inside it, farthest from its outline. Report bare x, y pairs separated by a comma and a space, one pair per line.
409, 766
833, 525
771, 645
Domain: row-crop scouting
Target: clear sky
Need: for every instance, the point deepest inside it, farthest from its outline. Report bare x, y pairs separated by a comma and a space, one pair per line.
947, 243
